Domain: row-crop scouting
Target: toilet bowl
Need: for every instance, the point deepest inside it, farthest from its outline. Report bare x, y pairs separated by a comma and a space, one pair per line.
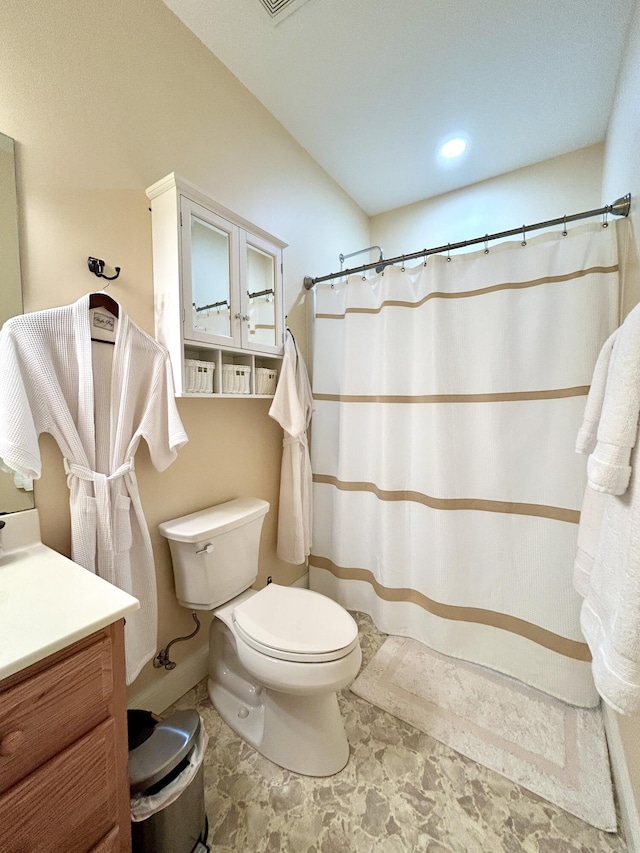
277, 656
282, 699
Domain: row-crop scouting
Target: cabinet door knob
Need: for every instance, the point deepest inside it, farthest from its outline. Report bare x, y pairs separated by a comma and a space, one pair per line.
10, 743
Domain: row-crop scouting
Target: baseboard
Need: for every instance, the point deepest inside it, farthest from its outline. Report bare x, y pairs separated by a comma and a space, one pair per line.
628, 810
174, 683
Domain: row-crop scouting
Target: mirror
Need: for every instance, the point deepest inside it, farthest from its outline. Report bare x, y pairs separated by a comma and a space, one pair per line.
210, 278
261, 281
12, 499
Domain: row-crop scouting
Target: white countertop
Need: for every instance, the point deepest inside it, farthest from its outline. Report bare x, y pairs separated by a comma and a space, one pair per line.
47, 602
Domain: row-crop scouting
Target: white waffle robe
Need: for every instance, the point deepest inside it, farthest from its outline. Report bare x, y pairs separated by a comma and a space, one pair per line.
97, 401
292, 408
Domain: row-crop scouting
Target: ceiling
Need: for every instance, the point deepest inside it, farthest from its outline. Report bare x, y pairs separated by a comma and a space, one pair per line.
371, 88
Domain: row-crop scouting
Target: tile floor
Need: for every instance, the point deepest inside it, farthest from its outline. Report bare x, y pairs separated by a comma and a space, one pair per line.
401, 791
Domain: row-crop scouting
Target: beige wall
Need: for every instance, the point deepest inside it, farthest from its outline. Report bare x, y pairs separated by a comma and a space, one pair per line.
547, 190
622, 175
103, 99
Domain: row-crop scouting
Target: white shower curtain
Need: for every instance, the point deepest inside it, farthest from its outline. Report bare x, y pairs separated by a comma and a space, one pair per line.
446, 487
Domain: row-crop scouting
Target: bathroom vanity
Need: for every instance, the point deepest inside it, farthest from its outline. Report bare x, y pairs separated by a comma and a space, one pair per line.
63, 739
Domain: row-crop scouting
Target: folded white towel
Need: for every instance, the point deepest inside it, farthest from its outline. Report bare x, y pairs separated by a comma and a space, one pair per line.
607, 564
608, 468
610, 615
588, 432
588, 539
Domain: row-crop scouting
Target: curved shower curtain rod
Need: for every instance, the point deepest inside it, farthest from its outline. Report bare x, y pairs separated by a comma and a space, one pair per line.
620, 207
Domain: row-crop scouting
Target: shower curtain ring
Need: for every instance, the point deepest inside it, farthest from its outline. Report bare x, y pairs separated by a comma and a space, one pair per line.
486, 247
425, 258
449, 251
402, 267
605, 224
564, 232
524, 236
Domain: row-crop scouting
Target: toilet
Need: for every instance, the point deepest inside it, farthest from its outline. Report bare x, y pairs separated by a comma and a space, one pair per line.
277, 656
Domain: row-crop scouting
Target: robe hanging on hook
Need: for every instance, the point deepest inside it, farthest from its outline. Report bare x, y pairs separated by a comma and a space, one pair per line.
96, 266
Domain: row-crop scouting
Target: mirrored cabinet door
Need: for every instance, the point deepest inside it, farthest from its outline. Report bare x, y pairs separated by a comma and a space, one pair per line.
262, 274
210, 263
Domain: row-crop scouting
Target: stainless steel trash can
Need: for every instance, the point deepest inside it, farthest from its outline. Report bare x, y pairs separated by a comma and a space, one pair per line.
159, 752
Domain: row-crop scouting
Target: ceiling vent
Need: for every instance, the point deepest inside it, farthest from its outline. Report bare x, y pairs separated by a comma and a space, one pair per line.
278, 10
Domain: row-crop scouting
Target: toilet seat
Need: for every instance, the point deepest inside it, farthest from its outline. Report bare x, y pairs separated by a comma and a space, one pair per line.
295, 624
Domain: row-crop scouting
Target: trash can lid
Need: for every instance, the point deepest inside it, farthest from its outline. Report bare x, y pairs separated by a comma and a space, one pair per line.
171, 741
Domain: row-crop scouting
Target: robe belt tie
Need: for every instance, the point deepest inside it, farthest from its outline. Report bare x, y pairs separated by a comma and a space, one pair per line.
104, 514
295, 439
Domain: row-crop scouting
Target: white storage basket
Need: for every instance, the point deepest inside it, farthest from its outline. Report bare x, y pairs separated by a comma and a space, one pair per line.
198, 376
236, 379
266, 378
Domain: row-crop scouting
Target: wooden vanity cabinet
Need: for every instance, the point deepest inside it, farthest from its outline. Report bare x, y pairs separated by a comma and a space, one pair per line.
64, 784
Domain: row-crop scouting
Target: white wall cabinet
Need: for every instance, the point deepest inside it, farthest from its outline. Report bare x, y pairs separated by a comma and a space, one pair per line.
218, 294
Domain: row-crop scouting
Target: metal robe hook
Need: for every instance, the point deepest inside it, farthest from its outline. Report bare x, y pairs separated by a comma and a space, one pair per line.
524, 236
96, 266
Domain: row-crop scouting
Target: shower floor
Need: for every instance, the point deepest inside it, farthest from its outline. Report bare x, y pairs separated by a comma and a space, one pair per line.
401, 791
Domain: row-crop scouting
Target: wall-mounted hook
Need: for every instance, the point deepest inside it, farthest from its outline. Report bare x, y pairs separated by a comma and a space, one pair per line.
96, 266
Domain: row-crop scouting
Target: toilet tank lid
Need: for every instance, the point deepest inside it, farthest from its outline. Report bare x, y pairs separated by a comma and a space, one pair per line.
213, 521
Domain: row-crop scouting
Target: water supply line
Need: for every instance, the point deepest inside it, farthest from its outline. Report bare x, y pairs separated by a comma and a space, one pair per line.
162, 658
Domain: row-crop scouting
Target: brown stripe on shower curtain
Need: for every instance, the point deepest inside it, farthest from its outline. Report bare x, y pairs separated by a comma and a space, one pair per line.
556, 513
499, 397
481, 291
512, 624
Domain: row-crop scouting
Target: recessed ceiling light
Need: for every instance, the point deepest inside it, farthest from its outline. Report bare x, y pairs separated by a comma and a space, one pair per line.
453, 148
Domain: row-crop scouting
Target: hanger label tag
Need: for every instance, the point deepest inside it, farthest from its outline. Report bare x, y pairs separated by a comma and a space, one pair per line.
104, 322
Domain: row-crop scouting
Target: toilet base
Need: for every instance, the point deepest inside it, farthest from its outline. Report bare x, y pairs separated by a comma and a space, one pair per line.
300, 733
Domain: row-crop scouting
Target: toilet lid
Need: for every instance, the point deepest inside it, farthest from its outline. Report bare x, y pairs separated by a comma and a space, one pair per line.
296, 624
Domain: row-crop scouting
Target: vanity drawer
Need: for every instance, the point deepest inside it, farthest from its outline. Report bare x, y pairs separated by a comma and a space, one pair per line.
43, 714
69, 804
111, 843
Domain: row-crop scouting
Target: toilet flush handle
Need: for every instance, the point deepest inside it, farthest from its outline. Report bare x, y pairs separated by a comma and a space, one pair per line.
208, 549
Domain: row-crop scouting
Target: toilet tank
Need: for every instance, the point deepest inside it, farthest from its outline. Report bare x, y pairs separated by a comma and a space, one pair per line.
215, 551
